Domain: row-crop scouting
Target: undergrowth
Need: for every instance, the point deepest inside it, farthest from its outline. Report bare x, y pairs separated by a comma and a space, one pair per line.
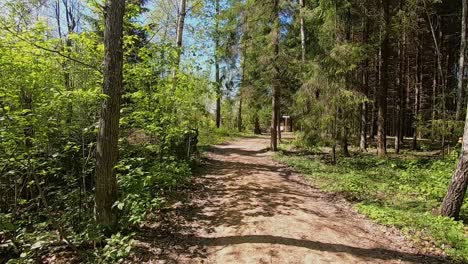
404, 192
150, 177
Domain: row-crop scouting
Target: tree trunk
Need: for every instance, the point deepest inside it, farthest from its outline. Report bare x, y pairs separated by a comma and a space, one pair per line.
335, 135
363, 128
444, 82
71, 26
435, 83
218, 84
218, 100
401, 91
383, 89
239, 114
279, 126
364, 105
456, 191
407, 104
274, 121
303, 33
344, 143
257, 130
461, 65
417, 97
107, 142
375, 104
180, 36
373, 121
275, 87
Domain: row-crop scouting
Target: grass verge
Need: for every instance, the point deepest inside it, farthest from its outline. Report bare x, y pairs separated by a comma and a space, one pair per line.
403, 192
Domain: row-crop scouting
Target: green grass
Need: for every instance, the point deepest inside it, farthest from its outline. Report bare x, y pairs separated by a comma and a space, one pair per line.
403, 192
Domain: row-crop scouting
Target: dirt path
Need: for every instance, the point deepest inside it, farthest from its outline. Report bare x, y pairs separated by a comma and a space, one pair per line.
246, 208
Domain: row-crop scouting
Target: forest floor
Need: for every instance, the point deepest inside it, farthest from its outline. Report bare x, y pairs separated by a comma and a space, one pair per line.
243, 207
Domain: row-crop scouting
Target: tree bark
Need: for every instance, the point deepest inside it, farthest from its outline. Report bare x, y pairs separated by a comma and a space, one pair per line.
335, 135
239, 114
456, 191
373, 120
461, 66
344, 143
71, 26
435, 83
279, 126
401, 91
257, 130
107, 142
407, 104
417, 98
383, 89
363, 128
275, 87
364, 105
218, 84
218, 99
179, 37
377, 84
303, 33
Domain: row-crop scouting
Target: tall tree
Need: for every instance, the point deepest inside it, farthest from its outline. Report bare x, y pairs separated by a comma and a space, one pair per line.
400, 88
383, 88
275, 35
182, 12
218, 83
461, 65
457, 189
400, 96
107, 142
417, 95
303, 33
365, 90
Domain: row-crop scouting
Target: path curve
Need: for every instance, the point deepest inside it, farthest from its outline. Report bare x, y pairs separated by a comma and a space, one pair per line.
246, 208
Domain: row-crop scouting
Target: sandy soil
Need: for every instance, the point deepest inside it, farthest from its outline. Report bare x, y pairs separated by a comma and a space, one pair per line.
246, 208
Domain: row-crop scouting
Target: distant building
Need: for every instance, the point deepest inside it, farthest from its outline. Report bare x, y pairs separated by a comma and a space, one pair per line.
286, 124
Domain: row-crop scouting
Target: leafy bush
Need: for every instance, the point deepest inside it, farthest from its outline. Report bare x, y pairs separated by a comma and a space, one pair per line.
309, 139
144, 183
48, 131
117, 248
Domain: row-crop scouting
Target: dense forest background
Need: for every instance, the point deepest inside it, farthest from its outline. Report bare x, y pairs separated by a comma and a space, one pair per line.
105, 106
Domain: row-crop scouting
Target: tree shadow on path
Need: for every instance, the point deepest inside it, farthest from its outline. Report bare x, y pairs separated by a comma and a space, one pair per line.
218, 198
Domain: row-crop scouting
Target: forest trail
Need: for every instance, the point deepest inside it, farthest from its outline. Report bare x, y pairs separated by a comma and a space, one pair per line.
246, 208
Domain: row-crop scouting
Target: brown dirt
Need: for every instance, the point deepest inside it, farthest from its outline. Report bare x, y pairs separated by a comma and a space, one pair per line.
246, 208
